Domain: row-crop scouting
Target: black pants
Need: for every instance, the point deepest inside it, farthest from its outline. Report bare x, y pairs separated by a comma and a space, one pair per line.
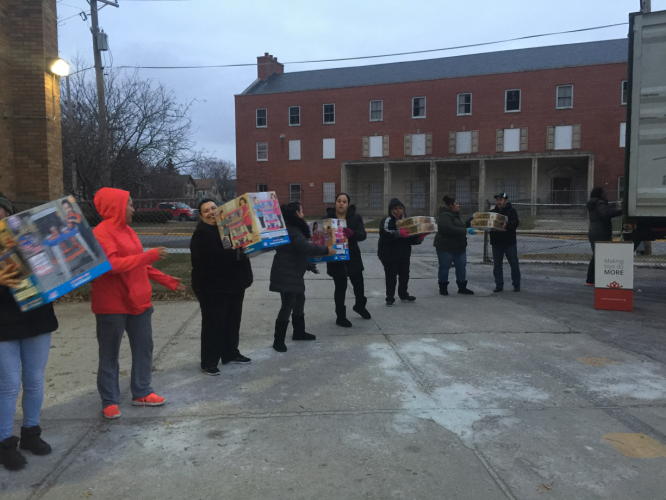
340, 281
590, 267
220, 327
396, 272
292, 303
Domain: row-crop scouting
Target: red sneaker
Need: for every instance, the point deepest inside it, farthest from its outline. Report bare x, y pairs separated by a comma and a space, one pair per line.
151, 399
111, 411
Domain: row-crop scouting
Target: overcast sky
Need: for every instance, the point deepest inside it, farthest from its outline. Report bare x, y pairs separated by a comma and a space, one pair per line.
210, 32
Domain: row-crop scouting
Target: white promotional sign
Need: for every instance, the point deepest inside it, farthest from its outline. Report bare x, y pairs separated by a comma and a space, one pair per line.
614, 265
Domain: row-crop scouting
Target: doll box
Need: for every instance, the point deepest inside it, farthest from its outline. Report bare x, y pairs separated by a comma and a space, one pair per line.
253, 222
329, 232
55, 250
411, 221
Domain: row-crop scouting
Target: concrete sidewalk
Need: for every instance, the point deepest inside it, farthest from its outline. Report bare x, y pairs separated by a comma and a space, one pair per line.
492, 396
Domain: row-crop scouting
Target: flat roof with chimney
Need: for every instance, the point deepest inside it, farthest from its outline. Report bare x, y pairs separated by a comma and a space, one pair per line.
506, 61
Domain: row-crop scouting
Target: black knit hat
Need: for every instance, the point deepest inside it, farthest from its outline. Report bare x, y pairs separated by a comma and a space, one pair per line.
6, 204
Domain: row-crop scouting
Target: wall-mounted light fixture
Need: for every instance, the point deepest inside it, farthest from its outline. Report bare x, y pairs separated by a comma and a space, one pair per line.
59, 67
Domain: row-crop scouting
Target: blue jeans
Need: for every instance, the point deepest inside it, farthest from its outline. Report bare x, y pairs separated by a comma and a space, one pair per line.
22, 361
459, 260
511, 252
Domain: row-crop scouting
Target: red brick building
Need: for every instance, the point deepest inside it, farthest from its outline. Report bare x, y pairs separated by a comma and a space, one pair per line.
543, 124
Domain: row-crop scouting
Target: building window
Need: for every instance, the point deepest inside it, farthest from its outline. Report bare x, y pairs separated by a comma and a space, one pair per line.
623, 134
464, 104
329, 192
511, 140
563, 137
262, 188
376, 194
262, 118
376, 111
620, 187
463, 143
294, 116
295, 192
510, 187
512, 101
329, 149
624, 97
329, 113
418, 107
262, 151
376, 146
418, 144
294, 150
564, 97
418, 194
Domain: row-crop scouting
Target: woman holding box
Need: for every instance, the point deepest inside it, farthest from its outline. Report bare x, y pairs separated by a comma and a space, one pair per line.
25, 341
451, 243
289, 266
352, 268
219, 279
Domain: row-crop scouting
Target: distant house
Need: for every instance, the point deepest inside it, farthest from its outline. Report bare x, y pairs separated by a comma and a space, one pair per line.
175, 186
206, 188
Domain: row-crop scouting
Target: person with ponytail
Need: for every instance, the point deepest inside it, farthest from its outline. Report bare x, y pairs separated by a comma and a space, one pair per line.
289, 266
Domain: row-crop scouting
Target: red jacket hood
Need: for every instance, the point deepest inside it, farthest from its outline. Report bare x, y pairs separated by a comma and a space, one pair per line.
111, 204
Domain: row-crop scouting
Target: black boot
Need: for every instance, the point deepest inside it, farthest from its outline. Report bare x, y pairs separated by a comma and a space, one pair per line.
280, 334
442, 287
31, 440
10, 457
462, 288
342, 320
299, 329
359, 308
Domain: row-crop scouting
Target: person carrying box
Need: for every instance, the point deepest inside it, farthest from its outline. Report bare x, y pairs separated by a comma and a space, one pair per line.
503, 243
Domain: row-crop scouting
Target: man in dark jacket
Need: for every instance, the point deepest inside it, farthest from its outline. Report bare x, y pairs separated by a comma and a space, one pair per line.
601, 226
394, 251
504, 243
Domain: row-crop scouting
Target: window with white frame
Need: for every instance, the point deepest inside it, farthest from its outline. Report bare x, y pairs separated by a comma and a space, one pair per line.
294, 150
294, 116
463, 142
376, 146
624, 96
464, 104
418, 144
262, 151
294, 192
329, 192
262, 118
512, 101
418, 107
329, 113
511, 140
564, 98
376, 111
564, 137
262, 188
329, 149
623, 134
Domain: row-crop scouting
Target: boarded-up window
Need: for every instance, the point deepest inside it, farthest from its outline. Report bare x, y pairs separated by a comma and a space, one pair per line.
563, 137
329, 149
463, 143
418, 144
294, 150
376, 146
623, 134
511, 140
329, 192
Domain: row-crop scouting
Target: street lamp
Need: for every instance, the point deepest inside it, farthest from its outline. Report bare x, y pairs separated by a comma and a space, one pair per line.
59, 67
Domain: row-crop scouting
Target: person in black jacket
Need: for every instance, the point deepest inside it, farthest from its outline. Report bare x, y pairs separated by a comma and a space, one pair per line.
504, 243
289, 266
25, 341
601, 226
352, 268
394, 250
219, 279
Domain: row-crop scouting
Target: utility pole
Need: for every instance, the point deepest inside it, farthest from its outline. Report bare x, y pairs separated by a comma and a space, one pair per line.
646, 6
101, 98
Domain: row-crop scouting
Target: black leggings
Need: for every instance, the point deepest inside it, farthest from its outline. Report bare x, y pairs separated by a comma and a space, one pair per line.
396, 272
292, 304
340, 281
220, 327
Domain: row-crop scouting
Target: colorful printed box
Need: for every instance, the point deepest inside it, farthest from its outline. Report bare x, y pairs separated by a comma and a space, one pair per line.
489, 221
411, 221
252, 222
329, 232
55, 250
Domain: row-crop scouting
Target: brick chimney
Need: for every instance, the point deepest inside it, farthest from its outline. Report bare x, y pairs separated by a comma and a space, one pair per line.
267, 65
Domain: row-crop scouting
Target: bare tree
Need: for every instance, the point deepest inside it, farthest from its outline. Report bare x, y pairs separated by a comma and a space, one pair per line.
223, 171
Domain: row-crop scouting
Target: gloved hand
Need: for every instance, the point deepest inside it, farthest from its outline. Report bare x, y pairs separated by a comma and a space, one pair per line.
347, 232
471, 230
404, 233
422, 236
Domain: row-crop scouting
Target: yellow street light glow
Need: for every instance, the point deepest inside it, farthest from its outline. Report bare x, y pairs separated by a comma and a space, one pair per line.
60, 68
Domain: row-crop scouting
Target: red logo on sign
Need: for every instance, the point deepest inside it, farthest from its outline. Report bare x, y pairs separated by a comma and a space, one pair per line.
615, 285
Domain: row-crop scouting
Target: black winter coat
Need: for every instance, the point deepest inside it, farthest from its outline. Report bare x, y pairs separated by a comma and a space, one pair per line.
391, 246
216, 269
355, 263
451, 231
601, 227
291, 260
508, 236
17, 325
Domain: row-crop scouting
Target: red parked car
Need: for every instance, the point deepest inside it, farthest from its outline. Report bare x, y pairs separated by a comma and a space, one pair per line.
179, 211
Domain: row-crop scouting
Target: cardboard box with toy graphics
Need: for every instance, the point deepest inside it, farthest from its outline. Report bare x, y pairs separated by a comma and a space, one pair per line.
55, 251
330, 233
418, 225
489, 221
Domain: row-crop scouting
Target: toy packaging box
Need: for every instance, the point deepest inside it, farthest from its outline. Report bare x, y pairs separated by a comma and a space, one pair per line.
488, 221
418, 225
253, 222
55, 251
329, 232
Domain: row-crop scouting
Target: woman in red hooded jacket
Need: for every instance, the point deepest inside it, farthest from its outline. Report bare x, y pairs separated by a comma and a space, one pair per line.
121, 302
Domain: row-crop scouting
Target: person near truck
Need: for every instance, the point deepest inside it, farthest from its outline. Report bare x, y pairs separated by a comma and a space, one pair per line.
601, 226
121, 302
25, 342
503, 243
